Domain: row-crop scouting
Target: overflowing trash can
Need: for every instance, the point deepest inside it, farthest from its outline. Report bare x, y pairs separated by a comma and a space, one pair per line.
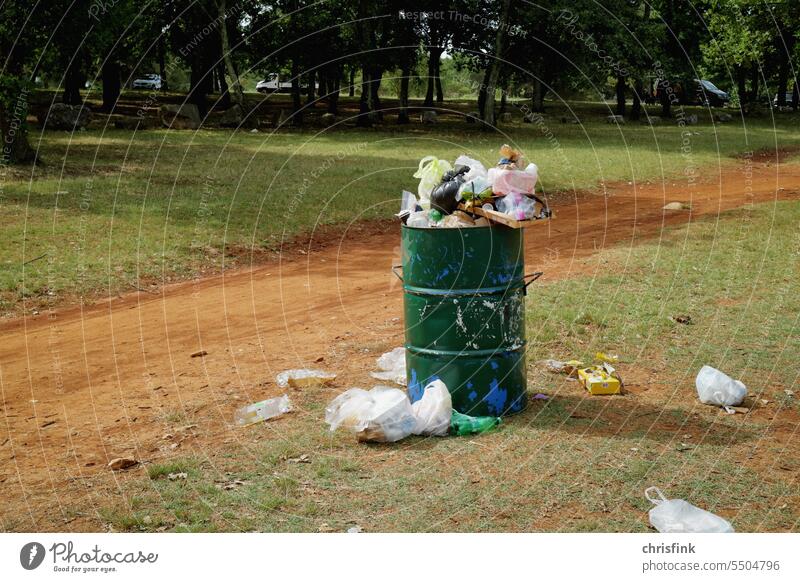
463, 279
464, 305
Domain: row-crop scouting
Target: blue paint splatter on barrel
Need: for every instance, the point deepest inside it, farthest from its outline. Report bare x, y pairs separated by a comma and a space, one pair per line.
496, 398
414, 388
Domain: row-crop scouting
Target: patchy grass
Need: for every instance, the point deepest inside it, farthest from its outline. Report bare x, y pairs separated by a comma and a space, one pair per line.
575, 462
114, 210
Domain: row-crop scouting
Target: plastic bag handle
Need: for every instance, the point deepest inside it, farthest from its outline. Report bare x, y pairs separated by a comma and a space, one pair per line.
424, 162
396, 274
657, 491
532, 277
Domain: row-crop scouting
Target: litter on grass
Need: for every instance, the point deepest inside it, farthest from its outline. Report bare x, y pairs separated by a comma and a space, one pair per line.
386, 415
303, 378
393, 367
679, 516
717, 388
261, 411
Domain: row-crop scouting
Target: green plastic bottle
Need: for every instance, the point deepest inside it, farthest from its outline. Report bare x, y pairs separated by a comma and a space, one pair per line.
462, 424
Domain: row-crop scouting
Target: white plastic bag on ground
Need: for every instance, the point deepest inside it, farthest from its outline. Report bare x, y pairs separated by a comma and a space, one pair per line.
715, 387
381, 415
393, 367
679, 516
263, 410
303, 378
433, 410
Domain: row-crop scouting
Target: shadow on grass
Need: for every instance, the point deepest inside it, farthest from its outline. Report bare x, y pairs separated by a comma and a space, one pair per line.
625, 416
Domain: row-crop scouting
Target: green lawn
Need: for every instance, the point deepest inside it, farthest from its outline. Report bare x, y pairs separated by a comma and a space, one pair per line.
112, 210
574, 463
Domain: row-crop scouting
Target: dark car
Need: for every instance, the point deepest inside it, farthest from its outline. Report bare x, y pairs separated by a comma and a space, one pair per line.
708, 94
692, 92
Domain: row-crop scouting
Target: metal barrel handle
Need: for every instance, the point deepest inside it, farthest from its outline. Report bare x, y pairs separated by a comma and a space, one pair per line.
394, 270
532, 277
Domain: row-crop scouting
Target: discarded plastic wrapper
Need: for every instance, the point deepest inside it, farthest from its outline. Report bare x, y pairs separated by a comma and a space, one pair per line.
600, 379
434, 410
303, 378
430, 172
717, 388
520, 181
476, 169
382, 414
608, 358
408, 205
570, 368
263, 410
463, 424
517, 206
458, 220
393, 367
679, 516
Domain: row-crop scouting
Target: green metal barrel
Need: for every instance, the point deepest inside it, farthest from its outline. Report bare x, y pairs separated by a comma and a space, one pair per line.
464, 303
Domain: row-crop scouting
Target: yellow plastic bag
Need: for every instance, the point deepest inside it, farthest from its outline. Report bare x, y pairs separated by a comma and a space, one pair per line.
430, 172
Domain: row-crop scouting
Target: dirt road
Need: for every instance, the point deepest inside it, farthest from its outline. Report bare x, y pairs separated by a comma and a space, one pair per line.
83, 386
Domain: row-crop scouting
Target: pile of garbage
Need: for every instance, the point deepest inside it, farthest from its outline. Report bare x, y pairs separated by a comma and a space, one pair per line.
386, 415
466, 194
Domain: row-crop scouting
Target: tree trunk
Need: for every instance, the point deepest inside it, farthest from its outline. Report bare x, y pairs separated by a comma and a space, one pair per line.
200, 82
666, 98
375, 85
439, 92
494, 66
311, 91
636, 107
237, 93
433, 57
620, 95
333, 92
225, 95
783, 74
503, 100
352, 91
741, 86
402, 116
537, 101
754, 84
795, 96
482, 92
111, 84
16, 149
72, 84
365, 104
162, 62
297, 101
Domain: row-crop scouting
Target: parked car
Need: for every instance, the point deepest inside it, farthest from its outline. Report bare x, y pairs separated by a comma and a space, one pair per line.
693, 92
788, 99
151, 81
709, 94
273, 84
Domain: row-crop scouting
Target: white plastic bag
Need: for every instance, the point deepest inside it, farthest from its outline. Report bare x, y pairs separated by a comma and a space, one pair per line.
381, 415
392, 365
715, 387
430, 172
476, 169
679, 516
433, 410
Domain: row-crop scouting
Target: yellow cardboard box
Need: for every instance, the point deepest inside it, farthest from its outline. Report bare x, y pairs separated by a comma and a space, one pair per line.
598, 380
